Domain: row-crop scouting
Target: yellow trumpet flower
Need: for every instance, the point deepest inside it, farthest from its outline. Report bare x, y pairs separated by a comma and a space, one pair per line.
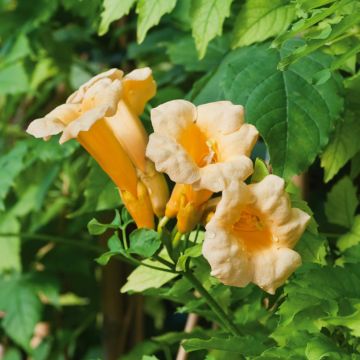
103, 116
201, 149
251, 235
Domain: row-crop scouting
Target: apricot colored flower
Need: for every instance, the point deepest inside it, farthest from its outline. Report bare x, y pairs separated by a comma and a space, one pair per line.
251, 235
201, 149
204, 146
103, 116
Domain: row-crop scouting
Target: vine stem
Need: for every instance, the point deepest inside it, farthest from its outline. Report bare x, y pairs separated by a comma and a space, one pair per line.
215, 307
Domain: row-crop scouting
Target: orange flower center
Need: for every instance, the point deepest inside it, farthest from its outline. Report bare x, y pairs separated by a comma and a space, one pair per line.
201, 149
251, 231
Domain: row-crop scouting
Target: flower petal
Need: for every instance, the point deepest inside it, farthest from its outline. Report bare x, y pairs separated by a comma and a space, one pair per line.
78, 95
83, 123
131, 133
240, 142
219, 117
103, 93
170, 157
172, 117
290, 232
54, 122
272, 267
228, 263
272, 200
156, 186
216, 177
139, 88
234, 199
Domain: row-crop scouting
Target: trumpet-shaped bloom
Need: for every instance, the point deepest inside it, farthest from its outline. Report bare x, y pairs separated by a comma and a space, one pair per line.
251, 235
201, 149
103, 116
187, 205
205, 146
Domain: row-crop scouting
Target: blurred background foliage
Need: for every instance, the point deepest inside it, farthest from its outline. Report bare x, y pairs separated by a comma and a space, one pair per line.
293, 64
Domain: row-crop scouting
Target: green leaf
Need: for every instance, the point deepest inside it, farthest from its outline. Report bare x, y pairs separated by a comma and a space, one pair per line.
97, 228
338, 30
143, 278
316, 293
351, 238
343, 146
9, 245
147, 347
207, 21
355, 166
19, 50
245, 345
351, 321
13, 79
259, 20
22, 309
11, 164
12, 354
298, 202
312, 247
293, 115
321, 347
100, 192
144, 242
113, 10
150, 12
194, 251
260, 171
341, 203
183, 52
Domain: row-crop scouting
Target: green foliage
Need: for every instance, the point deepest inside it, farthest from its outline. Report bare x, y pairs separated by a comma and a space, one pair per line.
150, 13
113, 10
144, 242
259, 20
351, 238
248, 346
143, 278
207, 21
276, 103
22, 308
260, 171
342, 147
341, 203
97, 228
11, 164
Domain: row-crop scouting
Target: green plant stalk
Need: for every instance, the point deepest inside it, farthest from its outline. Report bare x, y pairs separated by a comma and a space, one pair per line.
341, 60
123, 232
309, 22
176, 239
163, 221
215, 307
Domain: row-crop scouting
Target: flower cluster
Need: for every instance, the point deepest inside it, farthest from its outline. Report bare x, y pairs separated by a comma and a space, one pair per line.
205, 150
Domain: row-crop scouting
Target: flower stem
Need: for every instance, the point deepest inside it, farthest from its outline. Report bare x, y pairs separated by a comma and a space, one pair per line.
177, 239
215, 307
163, 221
123, 232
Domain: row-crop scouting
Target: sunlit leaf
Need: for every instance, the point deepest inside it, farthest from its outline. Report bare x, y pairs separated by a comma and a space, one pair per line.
150, 12
207, 21
259, 20
113, 10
